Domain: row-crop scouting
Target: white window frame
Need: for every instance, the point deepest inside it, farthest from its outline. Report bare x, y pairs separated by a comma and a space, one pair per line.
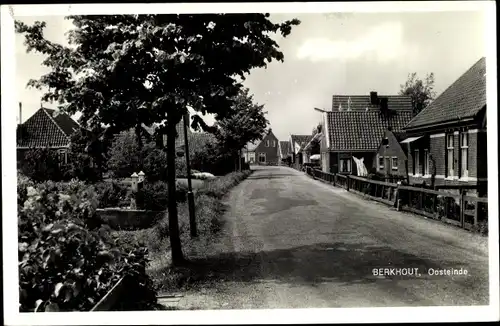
349, 165
394, 167
464, 150
65, 152
416, 162
450, 153
262, 154
267, 143
381, 166
426, 163
274, 143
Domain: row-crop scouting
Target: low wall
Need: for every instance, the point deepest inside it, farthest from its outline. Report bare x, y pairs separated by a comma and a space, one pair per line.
127, 219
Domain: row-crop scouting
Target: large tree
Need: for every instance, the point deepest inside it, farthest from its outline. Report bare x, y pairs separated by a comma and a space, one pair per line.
421, 91
125, 70
248, 123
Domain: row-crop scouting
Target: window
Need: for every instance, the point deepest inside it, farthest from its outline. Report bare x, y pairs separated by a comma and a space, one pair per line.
345, 165
63, 157
267, 143
426, 162
274, 143
449, 155
262, 157
394, 163
416, 162
380, 162
464, 153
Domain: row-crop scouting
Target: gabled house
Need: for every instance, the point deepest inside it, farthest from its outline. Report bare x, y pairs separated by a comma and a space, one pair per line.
47, 128
266, 152
284, 152
392, 156
297, 144
355, 126
447, 140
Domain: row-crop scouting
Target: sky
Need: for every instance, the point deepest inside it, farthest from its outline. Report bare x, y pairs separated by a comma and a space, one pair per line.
326, 55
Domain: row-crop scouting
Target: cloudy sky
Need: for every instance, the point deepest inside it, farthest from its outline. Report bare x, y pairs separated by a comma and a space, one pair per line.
352, 53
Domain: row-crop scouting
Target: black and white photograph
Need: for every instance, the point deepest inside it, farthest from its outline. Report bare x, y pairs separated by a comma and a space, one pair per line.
249, 163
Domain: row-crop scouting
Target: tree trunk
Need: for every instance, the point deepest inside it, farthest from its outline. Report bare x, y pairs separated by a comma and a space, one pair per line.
239, 160
173, 220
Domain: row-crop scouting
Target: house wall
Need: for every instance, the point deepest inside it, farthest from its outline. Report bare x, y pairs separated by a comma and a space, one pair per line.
477, 160
272, 155
393, 150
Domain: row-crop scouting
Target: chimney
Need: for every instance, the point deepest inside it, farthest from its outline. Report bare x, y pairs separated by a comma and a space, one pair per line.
374, 98
384, 104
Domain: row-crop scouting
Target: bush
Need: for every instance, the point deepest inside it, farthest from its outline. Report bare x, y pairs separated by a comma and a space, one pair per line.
65, 264
153, 196
112, 194
220, 186
42, 164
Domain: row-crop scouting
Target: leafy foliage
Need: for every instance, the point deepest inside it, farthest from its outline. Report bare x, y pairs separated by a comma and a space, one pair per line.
126, 65
86, 156
112, 194
247, 124
421, 91
41, 164
219, 187
66, 264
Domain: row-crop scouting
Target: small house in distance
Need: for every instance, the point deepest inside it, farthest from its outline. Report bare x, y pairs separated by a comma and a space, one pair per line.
355, 127
391, 158
284, 151
47, 128
297, 144
447, 140
263, 152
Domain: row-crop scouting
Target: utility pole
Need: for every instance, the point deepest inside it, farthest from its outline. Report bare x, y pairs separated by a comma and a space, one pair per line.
190, 196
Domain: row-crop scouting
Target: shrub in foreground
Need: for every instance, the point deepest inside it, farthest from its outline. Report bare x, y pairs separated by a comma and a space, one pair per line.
220, 186
112, 194
65, 264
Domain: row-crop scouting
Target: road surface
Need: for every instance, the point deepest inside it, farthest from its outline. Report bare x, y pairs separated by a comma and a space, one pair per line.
293, 242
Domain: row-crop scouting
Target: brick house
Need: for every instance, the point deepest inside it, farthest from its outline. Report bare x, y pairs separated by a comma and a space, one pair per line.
392, 156
355, 127
47, 128
266, 152
297, 144
448, 140
248, 152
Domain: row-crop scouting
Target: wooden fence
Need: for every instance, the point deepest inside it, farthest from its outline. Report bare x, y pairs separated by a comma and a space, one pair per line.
458, 209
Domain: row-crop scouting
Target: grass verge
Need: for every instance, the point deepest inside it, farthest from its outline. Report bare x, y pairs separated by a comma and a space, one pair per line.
209, 209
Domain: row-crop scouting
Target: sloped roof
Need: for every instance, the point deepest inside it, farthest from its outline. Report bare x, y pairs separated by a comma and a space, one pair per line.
301, 140
47, 127
362, 130
361, 102
285, 147
463, 99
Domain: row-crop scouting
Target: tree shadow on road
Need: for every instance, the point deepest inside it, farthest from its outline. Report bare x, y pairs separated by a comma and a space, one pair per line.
342, 263
271, 176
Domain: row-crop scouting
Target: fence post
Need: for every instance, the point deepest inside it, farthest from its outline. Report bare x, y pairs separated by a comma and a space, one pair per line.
347, 183
476, 212
462, 206
334, 179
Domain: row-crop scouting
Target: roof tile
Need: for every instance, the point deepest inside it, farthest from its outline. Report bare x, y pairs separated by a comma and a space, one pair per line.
462, 99
47, 127
362, 130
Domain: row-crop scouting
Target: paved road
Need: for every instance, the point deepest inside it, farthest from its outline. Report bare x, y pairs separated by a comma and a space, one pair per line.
293, 242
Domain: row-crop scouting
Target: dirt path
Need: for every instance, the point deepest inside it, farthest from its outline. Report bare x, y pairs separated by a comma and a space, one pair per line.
292, 242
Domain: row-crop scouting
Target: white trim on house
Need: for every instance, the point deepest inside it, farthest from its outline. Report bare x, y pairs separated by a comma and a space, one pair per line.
437, 135
475, 131
327, 134
394, 168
